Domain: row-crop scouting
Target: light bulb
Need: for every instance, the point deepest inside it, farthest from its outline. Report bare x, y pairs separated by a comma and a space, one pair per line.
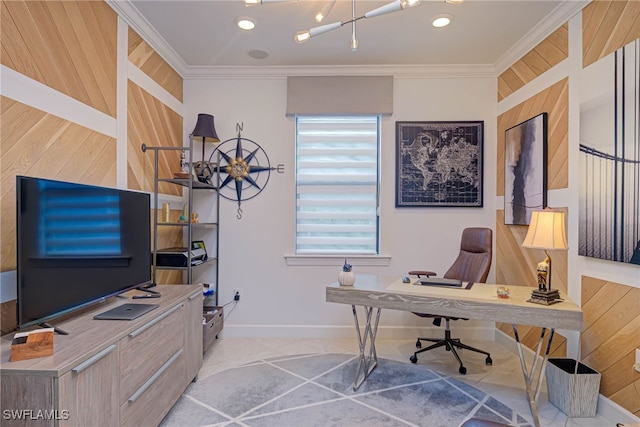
302, 36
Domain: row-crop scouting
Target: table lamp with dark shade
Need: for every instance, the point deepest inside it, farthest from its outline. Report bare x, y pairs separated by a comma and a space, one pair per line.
546, 231
206, 130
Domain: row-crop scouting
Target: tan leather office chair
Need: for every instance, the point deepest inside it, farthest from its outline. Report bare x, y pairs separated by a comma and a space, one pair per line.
471, 265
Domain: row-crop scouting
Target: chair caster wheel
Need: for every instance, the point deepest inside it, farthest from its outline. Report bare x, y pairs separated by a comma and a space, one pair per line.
488, 361
462, 370
413, 358
418, 344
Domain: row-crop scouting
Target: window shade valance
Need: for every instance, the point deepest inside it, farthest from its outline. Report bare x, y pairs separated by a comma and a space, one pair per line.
311, 95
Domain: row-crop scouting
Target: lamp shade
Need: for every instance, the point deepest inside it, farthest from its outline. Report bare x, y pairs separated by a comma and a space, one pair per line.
205, 128
546, 230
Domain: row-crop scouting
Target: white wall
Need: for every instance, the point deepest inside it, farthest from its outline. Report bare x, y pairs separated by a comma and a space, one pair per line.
284, 300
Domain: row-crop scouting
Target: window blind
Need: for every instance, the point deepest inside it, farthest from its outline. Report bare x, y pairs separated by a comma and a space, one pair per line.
337, 183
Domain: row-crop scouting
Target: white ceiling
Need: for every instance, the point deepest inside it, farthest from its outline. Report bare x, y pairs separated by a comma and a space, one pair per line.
202, 34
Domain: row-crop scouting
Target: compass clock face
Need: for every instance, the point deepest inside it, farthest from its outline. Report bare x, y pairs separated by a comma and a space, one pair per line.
244, 168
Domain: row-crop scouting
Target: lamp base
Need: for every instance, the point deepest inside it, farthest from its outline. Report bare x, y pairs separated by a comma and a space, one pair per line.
545, 297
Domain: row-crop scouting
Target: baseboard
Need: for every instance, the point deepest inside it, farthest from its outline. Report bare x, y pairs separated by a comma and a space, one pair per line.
607, 409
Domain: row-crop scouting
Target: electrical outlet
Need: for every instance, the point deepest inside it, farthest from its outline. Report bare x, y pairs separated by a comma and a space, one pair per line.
236, 294
637, 365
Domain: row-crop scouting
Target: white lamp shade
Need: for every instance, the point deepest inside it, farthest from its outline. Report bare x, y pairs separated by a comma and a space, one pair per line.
387, 8
546, 230
324, 29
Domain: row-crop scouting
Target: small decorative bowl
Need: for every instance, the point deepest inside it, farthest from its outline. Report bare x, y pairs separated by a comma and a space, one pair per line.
502, 292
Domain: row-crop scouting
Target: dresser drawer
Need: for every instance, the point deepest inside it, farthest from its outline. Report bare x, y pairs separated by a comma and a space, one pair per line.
211, 326
148, 348
148, 404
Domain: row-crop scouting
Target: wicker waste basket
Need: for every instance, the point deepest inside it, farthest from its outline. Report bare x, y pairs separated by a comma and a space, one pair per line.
574, 393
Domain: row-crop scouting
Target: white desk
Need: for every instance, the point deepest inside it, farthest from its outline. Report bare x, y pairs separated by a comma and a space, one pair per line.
479, 302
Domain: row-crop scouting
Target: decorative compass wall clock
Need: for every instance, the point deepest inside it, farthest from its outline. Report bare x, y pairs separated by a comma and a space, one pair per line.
244, 168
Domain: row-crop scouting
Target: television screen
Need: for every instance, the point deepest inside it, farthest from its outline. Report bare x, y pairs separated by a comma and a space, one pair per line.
77, 244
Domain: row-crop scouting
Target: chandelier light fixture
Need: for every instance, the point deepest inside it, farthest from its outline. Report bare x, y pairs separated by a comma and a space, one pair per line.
303, 36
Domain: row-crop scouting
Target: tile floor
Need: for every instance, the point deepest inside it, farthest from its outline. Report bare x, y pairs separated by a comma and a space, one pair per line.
503, 380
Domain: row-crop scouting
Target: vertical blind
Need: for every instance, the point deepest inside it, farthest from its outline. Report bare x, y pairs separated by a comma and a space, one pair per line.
337, 180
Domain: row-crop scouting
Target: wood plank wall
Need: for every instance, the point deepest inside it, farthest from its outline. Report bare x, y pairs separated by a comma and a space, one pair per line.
550, 52
554, 101
610, 337
153, 123
611, 310
39, 144
71, 47
67, 45
607, 26
144, 57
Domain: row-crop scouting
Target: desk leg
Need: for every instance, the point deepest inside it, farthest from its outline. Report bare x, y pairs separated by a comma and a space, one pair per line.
368, 357
536, 371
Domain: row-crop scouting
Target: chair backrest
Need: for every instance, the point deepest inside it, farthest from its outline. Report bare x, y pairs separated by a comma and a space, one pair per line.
474, 260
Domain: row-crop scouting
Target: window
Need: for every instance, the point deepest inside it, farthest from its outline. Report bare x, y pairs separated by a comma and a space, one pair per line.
337, 182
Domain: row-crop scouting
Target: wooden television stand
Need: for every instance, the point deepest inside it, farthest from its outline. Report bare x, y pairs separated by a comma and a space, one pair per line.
108, 372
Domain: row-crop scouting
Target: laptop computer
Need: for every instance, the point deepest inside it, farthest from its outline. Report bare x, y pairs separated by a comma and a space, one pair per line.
435, 281
126, 312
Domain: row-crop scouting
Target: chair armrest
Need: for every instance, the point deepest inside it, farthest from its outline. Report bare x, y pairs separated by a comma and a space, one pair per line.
420, 273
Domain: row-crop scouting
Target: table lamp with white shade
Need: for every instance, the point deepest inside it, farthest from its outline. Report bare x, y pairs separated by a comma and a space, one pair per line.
546, 231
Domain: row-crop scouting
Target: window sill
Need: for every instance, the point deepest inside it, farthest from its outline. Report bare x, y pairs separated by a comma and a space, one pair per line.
314, 260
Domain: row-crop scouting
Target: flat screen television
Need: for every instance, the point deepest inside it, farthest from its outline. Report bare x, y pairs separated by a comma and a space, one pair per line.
77, 245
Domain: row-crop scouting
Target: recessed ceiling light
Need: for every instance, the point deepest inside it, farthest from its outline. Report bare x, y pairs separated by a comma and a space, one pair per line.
245, 22
454, 1
439, 21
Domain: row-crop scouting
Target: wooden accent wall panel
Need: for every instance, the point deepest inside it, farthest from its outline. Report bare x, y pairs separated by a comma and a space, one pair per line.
144, 57
607, 26
516, 265
550, 52
35, 143
554, 101
153, 123
8, 317
69, 46
610, 337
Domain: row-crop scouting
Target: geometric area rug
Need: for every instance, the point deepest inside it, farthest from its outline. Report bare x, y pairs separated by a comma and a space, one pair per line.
315, 390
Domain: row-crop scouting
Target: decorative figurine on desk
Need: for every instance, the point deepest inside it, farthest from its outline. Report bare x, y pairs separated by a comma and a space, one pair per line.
543, 268
347, 277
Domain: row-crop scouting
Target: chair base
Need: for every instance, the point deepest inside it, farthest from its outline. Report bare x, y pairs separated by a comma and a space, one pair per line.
450, 344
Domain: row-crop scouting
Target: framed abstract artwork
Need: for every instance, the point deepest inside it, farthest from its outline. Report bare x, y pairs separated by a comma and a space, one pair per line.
439, 164
525, 170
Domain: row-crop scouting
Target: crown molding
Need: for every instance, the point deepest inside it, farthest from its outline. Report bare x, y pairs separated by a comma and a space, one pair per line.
139, 23
398, 71
557, 17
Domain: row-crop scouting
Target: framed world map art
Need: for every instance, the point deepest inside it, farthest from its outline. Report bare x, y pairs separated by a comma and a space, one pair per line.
439, 164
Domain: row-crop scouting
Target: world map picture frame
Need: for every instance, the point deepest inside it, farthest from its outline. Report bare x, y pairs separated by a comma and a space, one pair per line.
439, 164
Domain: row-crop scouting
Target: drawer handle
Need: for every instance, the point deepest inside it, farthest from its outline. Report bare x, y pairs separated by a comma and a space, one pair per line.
192, 297
84, 365
153, 322
154, 377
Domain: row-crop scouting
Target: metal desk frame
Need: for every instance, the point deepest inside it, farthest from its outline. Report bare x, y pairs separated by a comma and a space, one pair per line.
376, 292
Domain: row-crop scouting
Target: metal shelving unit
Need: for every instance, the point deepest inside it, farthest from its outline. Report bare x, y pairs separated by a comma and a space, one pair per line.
207, 228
